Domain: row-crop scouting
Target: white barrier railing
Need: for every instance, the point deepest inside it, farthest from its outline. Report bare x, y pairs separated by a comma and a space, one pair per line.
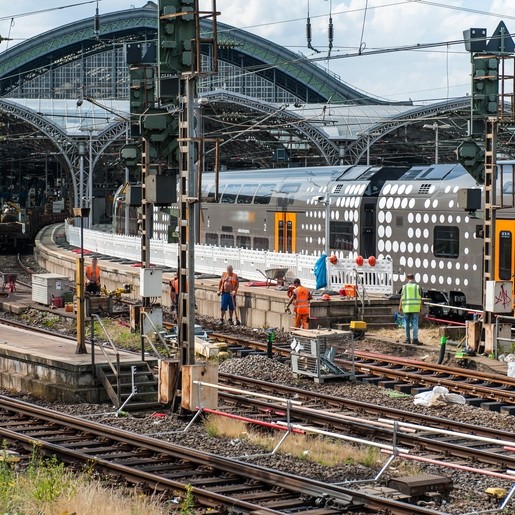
374, 279
248, 263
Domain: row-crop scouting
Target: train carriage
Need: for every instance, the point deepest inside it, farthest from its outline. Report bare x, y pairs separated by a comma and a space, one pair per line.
409, 214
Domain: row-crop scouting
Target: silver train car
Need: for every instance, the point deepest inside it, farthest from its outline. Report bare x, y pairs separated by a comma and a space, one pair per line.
409, 214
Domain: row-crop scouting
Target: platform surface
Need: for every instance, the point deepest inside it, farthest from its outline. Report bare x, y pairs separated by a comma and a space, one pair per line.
56, 349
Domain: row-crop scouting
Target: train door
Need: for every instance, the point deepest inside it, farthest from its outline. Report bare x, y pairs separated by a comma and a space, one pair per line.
285, 232
505, 250
368, 244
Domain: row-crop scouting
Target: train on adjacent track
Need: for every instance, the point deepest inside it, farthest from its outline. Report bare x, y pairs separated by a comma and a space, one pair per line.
411, 215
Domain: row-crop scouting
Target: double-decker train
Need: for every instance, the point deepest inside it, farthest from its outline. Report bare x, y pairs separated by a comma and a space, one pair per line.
411, 215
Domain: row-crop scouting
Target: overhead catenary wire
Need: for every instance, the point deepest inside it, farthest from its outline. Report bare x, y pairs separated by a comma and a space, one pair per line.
49, 9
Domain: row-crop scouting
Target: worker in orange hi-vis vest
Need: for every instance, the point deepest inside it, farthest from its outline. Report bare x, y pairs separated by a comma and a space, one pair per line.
93, 277
300, 296
174, 292
227, 289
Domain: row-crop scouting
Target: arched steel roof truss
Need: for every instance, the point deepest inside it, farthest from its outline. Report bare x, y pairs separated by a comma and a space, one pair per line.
292, 122
356, 150
68, 146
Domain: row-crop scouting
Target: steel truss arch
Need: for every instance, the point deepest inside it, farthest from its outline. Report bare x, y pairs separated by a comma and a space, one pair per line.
356, 150
67, 146
295, 124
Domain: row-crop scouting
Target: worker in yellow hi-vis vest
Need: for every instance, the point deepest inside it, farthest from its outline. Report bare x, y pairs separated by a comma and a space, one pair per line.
411, 304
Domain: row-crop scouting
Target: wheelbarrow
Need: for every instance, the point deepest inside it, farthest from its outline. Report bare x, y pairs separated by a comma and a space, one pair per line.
274, 274
9, 281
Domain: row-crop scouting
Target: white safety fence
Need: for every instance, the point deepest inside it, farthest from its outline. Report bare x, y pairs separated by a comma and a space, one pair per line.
374, 279
250, 264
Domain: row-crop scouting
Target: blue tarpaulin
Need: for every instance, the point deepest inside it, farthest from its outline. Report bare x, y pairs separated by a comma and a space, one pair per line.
320, 271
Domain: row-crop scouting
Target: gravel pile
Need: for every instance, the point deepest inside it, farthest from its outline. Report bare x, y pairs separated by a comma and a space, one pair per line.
260, 367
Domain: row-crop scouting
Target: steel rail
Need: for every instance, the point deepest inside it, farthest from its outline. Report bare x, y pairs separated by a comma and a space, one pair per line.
465, 374
35, 329
383, 368
426, 441
108, 443
426, 374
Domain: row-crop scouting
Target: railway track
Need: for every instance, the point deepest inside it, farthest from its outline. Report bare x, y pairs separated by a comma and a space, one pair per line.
220, 485
483, 389
408, 372
9, 322
449, 438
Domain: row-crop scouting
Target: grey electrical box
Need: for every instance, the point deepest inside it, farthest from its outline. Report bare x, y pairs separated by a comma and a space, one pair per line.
47, 286
133, 195
150, 282
161, 190
469, 199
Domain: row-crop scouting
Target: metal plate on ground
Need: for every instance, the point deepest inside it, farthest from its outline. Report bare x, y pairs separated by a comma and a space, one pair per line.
421, 484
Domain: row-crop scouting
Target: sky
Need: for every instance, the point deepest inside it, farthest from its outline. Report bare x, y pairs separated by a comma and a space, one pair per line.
423, 75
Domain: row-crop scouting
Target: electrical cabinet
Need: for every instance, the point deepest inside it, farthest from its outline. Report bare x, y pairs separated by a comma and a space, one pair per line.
46, 286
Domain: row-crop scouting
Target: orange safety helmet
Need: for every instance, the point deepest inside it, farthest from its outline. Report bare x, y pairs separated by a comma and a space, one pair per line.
326, 296
333, 259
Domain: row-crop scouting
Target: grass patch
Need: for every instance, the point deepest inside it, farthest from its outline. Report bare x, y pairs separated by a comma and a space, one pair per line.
322, 450
120, 333
47, 487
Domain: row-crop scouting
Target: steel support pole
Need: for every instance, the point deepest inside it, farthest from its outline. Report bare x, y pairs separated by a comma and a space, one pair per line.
436, 144
327, 222
81, 174
79, 278
489, 191
187, 182
90, 181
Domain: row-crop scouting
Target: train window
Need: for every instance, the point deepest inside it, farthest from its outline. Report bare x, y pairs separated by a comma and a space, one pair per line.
226, 240
507, 187
211, 238
341, 235
446, 241
243, 242
246, 194
290, 188
505, 255
211, 193
261, 243
230, 194
264, 194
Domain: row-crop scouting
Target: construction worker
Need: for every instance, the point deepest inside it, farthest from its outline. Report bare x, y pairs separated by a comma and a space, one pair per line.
227, 289
93, 277
174, 292
411, 304
300, 296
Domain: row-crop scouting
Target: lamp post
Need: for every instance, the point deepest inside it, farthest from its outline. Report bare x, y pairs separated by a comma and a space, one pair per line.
436, 127
369, 136
89, 189
82, 213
